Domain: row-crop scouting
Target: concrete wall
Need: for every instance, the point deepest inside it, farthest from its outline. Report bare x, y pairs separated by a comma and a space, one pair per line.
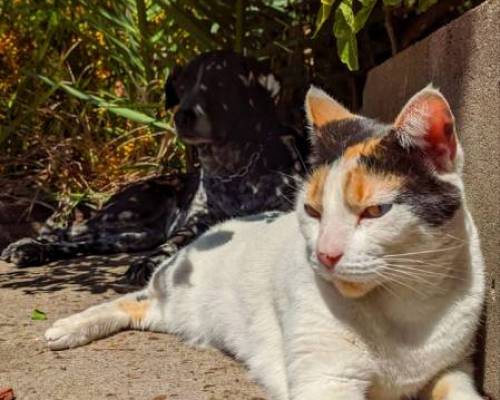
463, 60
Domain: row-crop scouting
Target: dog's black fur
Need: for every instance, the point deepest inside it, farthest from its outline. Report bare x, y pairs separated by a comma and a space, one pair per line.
249, 163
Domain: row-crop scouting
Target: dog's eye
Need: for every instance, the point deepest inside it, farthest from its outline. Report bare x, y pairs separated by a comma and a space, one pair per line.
376, 211
312, 212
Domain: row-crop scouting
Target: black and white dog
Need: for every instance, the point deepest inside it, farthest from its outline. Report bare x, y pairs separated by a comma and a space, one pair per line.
225, 108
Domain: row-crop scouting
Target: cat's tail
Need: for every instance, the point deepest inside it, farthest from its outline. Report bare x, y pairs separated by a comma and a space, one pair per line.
132, 311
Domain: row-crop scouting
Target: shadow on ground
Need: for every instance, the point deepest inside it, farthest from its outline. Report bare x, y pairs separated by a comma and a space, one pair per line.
126, 366
94, 274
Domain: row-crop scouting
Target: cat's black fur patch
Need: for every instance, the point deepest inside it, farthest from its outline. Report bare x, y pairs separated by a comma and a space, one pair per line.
332, 139
433, 200
141, 297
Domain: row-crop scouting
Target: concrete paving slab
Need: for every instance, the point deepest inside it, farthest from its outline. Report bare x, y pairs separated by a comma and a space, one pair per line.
128, 365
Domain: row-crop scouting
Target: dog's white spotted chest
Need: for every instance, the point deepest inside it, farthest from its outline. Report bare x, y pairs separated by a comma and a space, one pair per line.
242, 195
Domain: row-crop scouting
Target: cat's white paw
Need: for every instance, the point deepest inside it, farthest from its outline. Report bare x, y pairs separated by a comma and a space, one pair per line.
69, 332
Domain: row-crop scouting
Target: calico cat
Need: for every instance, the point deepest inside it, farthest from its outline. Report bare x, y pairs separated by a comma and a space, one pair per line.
371, 289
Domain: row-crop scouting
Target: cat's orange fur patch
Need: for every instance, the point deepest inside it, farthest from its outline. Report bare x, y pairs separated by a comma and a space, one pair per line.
440, 390
325, 110
365, 148
135, 309
352, 290
360, 187
374, 393
316, 184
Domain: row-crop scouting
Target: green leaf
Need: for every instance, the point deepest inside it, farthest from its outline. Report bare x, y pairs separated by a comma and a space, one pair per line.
343, 30
323, 14
362, 16
37, 315
132, 115
125, 112
347, 50
346, 26
345, 15
120, 22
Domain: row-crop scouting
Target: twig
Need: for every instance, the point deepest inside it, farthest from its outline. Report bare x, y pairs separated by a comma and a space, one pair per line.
238, 41
143, 28
389, 28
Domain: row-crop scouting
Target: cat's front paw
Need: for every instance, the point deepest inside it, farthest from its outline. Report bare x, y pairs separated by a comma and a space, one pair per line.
68, 332
24, 253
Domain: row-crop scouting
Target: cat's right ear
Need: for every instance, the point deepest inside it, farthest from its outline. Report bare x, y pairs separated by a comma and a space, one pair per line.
322, 109
427, 122
171, 96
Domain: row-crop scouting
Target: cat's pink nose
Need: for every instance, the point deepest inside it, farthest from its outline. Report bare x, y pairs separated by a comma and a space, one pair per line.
328, 260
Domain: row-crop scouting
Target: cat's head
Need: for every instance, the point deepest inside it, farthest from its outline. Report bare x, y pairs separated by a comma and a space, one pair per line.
383, 202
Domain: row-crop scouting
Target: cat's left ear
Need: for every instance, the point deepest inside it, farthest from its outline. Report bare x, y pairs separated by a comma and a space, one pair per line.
427, 122
322, 109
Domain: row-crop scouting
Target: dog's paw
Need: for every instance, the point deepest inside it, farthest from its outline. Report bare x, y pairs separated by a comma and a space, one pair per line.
24, 253
69, 332
140, 271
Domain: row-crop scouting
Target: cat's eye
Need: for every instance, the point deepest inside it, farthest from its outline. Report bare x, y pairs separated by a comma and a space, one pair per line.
376, 211
311, 211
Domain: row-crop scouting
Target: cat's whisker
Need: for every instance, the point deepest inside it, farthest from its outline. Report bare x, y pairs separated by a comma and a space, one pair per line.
294, 179
432, 251
444, 266
411, 261
411, 276
412, 286
288, 199
427, 274
295, 186
385, 287
418, 270
415, 269
393, 279
415, 264
440, 234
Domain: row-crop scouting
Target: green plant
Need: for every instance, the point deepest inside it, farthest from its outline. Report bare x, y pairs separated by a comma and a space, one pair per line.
350, 16
81, 107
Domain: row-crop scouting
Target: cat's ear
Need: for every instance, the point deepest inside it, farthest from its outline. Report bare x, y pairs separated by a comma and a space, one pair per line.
427, 122
322, 109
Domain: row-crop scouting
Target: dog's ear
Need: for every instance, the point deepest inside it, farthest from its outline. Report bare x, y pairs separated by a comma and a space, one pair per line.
171, 96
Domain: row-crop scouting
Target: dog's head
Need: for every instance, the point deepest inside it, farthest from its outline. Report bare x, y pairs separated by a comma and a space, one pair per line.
222, 96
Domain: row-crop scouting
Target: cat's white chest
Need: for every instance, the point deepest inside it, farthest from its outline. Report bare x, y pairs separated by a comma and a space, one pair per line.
409, 359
